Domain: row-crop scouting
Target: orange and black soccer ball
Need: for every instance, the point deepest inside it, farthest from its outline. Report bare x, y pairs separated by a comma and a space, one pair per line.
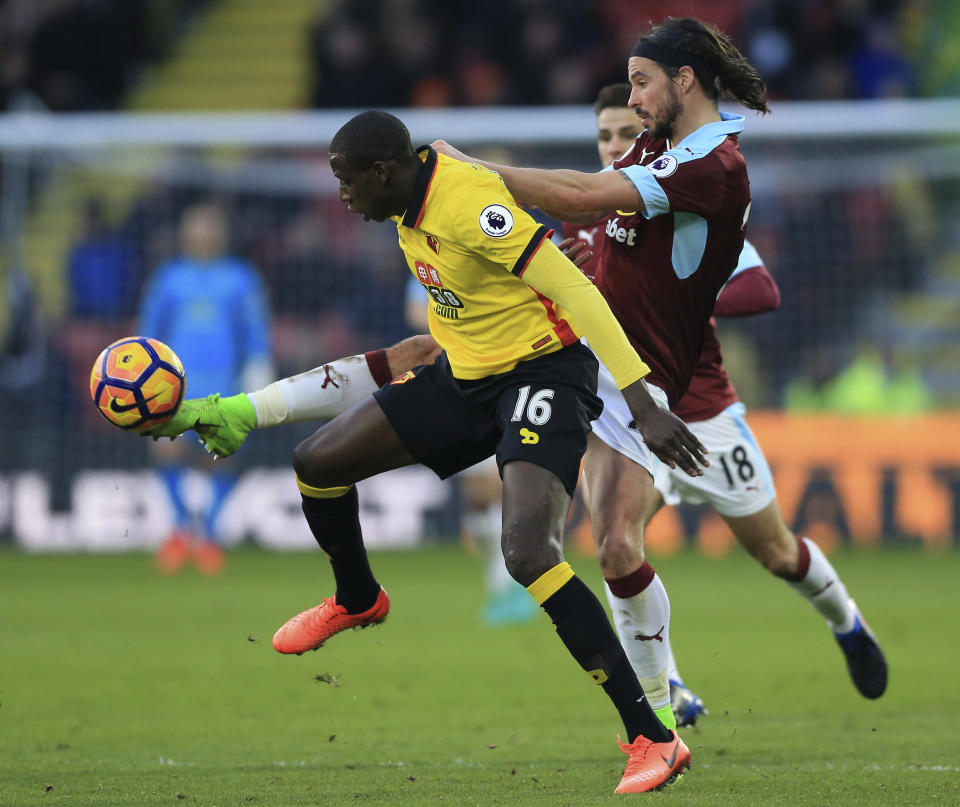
137, 383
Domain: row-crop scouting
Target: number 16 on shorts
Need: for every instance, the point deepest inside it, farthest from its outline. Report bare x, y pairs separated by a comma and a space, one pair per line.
536, 406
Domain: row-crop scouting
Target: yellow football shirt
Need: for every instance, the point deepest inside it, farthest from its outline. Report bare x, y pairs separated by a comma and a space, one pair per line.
468, 243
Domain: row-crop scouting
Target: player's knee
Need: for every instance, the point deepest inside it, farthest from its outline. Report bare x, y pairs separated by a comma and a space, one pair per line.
778, 557
526, 561
782, 566
618, 549
310, 463
525, 568
302, 462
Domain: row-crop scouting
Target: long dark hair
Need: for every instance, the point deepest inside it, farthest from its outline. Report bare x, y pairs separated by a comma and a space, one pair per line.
721, 69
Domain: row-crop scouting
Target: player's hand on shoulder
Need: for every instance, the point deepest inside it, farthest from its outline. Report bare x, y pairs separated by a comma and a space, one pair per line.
443, 147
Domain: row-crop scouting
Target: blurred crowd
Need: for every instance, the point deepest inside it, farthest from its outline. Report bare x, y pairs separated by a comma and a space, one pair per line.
559, 52
85, 54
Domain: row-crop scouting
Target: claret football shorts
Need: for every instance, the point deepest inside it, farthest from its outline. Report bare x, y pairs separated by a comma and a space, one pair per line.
539, 412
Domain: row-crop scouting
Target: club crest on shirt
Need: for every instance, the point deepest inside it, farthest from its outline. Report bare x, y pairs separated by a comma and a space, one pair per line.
434, 243
663, 166
496, 221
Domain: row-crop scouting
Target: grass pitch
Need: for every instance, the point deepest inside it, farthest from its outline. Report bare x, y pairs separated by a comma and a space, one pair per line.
120, 687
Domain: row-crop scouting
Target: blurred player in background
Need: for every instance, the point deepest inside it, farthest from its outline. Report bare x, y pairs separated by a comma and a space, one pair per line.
738, 484
212, 310
513, 380
678, 204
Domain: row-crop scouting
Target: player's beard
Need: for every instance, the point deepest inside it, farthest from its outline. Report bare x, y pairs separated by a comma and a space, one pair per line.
673, 109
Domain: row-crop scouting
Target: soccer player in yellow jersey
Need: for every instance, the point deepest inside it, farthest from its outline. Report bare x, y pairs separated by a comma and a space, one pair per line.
513, 380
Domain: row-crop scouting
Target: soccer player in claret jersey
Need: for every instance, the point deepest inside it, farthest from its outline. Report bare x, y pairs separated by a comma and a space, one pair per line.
679, 202
513, 380
738, 484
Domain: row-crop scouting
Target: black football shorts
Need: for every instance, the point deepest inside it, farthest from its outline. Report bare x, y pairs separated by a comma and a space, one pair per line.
539, 412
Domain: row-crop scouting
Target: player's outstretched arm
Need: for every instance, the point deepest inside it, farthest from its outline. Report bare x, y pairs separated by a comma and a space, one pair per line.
319, 394
572, 196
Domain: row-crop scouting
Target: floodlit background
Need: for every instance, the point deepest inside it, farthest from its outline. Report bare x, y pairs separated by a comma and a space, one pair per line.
119, 115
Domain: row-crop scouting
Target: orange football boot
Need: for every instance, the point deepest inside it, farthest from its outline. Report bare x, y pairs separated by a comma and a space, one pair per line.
174, 552
310, 629
652, 766
209, 557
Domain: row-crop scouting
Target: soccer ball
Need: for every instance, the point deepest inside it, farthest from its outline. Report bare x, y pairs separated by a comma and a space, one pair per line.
137, 383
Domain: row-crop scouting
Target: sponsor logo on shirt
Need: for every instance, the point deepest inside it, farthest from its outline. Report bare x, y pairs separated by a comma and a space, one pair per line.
427, 275
621, 234
496, 221
447, 302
